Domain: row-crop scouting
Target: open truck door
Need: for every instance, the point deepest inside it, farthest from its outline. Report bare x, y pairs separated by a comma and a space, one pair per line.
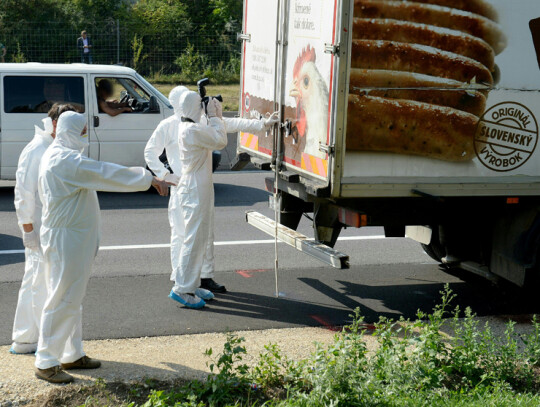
295, 68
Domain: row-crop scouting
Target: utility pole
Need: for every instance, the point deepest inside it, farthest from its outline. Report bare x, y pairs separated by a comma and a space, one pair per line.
117, 41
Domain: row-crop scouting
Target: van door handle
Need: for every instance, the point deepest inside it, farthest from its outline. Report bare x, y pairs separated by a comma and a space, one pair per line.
96, 121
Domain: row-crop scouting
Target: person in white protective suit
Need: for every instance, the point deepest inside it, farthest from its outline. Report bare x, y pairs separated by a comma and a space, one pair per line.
33, 291
196, 195
70, 235
165, 137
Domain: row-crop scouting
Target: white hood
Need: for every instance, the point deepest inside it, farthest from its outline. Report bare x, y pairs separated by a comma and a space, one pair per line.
47, 130
68, 131
174, 98
190, 104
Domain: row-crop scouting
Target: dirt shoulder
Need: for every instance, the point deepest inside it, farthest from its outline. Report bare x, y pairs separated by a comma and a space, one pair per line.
160, 358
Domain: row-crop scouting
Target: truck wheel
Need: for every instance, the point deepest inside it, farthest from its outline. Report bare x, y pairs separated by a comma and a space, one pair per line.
290, 210
435, 250
326, 224
430, 252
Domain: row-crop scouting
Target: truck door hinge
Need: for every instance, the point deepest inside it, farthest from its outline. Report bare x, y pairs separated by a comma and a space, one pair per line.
326, 149
243, 37
331, 49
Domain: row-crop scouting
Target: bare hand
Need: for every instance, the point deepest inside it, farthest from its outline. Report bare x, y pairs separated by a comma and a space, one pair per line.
28, 227
160, 186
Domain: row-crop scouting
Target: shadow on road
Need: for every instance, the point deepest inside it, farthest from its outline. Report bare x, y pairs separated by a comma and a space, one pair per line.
238, 195
9, 242
391, 301
281, 309
6, 199
225, 195
132, 200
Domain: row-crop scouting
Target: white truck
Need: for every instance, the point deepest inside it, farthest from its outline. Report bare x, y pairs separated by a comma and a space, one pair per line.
418, 116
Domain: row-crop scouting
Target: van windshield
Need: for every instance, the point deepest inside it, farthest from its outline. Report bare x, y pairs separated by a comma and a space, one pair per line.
156, 92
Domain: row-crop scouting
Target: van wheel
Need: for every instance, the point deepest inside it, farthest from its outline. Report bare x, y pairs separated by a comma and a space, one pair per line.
435, 250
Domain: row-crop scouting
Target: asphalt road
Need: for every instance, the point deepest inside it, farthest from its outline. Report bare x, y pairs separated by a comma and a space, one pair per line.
127, 294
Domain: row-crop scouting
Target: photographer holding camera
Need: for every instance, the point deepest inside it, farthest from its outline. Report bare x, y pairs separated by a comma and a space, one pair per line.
166, 137
196, 141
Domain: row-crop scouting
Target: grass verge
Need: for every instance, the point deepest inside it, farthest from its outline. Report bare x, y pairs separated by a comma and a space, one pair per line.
230, 93
413, 364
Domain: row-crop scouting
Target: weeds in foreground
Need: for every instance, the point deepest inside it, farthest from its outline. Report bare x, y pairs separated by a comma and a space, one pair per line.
413, 364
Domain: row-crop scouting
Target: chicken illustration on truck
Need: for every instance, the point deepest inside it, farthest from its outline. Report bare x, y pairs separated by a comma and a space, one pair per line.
420, 116
310, 91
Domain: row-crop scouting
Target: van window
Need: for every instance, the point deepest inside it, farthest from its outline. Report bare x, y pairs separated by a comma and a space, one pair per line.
36, 94
124, 92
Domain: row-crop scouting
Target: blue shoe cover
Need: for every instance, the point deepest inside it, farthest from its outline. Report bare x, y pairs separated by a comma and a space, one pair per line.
177, 298
206, 295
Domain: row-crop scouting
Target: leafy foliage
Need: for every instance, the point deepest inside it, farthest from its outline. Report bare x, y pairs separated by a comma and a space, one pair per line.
137, 46
47, 30
413, 364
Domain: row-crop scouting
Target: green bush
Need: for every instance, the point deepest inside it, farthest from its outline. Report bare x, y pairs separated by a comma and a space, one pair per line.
19, 56
137, 46
413, 364
194, 66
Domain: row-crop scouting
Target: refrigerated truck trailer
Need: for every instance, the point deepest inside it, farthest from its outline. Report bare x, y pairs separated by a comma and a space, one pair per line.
418, 116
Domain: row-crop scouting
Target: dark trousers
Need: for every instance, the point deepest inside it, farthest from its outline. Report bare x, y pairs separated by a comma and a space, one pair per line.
86, 57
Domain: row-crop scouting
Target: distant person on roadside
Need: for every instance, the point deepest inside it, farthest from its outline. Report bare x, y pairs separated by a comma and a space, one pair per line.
3, 50
84, 44
33, 291
105, 91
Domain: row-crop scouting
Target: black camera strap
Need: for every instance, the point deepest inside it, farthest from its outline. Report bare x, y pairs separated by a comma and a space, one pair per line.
186, 119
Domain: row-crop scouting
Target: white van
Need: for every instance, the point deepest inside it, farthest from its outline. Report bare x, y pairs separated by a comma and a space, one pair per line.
28, 90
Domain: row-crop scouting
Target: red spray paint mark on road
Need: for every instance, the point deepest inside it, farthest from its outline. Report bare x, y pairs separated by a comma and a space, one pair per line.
336, 328
249, 273
325, 323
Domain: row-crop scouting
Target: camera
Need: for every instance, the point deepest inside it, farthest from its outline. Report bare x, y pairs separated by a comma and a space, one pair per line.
201, 86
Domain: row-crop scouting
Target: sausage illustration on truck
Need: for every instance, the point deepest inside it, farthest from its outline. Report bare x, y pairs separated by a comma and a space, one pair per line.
426, 123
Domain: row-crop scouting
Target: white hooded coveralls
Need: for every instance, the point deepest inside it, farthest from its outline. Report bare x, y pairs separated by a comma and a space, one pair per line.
33, 291
70, 233
165, 137
196, 143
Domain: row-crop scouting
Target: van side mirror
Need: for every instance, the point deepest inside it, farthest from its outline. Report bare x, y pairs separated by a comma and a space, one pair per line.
153, 105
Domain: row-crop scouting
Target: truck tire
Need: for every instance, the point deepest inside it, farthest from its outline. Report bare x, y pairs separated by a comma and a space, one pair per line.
431, 252
434, 249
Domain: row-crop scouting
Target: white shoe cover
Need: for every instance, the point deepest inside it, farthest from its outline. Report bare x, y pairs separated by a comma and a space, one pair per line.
204, 294
190, 298
23, 348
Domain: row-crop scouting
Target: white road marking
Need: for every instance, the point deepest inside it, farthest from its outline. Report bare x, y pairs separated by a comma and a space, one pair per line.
225, 243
